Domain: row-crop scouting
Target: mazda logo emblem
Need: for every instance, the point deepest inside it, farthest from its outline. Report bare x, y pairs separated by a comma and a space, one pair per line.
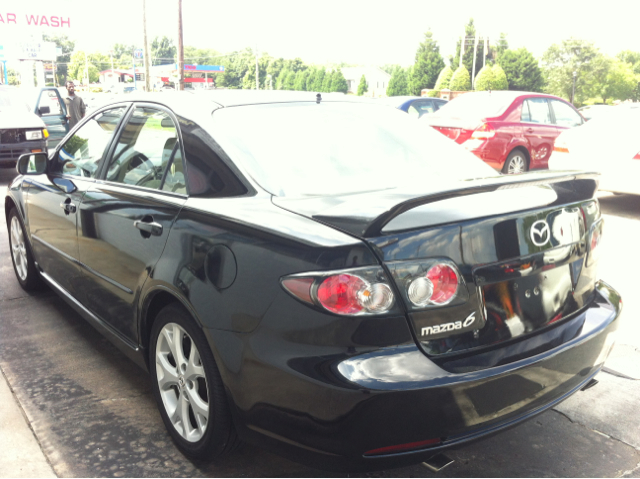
540, 233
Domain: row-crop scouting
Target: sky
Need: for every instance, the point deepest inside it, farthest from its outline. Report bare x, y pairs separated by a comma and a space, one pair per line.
352, 31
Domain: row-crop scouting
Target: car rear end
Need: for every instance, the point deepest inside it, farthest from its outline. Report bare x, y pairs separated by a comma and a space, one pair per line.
482, 122
479, 307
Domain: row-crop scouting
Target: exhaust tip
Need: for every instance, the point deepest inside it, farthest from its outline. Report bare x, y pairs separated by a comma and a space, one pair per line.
438, 462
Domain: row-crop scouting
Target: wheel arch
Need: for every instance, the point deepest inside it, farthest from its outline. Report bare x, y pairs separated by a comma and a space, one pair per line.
154, 301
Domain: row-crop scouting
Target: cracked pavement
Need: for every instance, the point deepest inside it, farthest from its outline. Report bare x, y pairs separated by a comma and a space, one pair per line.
92, 413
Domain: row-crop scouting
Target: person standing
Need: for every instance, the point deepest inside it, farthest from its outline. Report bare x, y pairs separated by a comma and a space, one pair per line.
75, 106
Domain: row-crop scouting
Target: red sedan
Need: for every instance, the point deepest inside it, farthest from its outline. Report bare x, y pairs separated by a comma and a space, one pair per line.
512, 131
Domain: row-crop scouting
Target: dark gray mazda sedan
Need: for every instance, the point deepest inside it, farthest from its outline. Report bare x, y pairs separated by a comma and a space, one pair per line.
324, 277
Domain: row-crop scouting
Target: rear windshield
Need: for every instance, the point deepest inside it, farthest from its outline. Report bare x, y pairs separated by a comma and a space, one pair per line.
476, 105
299, 149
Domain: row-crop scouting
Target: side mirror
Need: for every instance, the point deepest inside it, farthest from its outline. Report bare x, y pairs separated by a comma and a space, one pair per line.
32, 164
44, 110
167, 122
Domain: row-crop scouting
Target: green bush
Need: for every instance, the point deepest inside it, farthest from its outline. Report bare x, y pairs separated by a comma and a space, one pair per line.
485, 79
433, 93
460, 81
499, 78
444, 78
362, 86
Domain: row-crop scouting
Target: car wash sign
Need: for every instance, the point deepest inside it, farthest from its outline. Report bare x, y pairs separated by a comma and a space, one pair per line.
34, 20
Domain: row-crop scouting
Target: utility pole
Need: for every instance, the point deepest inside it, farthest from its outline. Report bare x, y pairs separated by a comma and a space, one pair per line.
147, 83
475, 54
257, 74
484, 51
180, 49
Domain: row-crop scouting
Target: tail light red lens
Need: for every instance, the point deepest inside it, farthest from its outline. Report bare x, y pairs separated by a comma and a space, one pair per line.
339, 293
345, 292
445, 283
637, 157
484, 132
594, 242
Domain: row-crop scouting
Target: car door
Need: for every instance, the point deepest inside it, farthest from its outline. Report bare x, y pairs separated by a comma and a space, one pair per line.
126, 215
538, 129
55, 118
53, 199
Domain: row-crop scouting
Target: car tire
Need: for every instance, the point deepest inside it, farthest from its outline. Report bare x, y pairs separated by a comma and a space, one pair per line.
516, 163
189, 391
21, 255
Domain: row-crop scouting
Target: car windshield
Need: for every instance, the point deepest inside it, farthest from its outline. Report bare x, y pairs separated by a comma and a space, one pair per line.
476, 105
299, 149
12, 99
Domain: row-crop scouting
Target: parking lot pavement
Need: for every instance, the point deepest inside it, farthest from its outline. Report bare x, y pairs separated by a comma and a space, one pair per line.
93, 413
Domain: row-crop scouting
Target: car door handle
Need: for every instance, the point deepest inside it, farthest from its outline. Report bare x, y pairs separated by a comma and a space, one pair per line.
67, 206
152, 228
529, 130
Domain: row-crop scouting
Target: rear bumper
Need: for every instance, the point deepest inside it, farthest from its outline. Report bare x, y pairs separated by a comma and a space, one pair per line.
349, 404
10, 152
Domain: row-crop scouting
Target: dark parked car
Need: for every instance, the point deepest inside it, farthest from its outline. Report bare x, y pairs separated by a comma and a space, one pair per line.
512, 131
317, 276
415, 105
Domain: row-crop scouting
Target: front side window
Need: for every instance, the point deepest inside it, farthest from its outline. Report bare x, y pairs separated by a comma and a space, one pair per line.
81, 154
539, 110
565, 115
146, 147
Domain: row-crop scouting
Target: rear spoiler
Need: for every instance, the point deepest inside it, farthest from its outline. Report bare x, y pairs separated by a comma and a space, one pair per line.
365, 215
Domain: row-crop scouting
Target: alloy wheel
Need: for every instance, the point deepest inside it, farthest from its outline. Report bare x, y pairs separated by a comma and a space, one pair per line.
18, 249
516, 165
182, 382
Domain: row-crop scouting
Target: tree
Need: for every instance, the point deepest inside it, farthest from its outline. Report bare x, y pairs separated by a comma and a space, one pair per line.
13, 77
317, 86
460, 81
484, 80
62, 61
613, 79
311, 78
389, 68
398, 84
163, 51
300, 81
467, 57
501, 46
362, 86
236, 66
428, 64
339, 82
78, 67
444, 78
249, 79
288, 83
500, 81
561, 60
281, 78
326, 82
632, 58
522, 70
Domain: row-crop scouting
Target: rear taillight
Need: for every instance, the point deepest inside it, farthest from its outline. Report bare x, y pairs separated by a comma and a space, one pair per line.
595, 237
484, 132
354, 292
637, 157
429, 283
411, 446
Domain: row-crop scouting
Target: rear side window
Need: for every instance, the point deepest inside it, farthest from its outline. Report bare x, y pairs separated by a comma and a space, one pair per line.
539, 110
565, 115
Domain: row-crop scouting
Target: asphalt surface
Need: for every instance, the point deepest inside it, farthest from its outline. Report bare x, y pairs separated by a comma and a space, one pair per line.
77, 407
